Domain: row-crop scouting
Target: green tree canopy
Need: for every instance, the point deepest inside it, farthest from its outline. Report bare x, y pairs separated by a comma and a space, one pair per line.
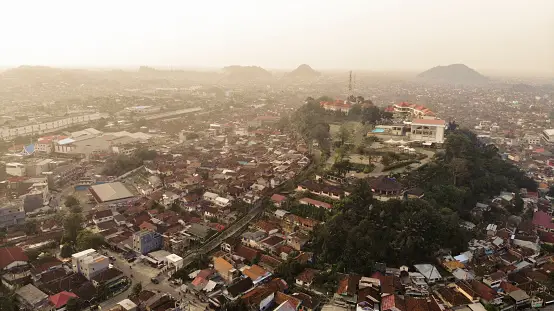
71, 201
87, 239
74, 304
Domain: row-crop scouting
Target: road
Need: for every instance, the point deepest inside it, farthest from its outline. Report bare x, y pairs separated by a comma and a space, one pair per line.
229, 232
142, 273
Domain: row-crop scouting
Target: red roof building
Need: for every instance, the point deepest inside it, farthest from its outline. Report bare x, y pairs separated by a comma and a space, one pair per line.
543, 220
12, 256
60, 299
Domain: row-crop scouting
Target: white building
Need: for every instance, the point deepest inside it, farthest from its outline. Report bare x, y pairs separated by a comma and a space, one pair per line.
210, 196
427, 130
15, 169
7, 133
548, 135
143, 109
89, 263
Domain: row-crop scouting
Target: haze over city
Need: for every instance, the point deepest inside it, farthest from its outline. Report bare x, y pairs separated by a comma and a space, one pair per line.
237, 155
491, 36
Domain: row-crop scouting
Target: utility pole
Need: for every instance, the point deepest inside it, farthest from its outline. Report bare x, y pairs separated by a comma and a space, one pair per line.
350, 83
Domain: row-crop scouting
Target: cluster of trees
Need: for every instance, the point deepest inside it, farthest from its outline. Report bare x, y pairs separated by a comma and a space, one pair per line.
311, 121
121, 164
466, 173
75, 238
310, 211
396, 232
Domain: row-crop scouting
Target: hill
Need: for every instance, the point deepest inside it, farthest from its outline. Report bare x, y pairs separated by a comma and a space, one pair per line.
303, 72
246, 73
453, 74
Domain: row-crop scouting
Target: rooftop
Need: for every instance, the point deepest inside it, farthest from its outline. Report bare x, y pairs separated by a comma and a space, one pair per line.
110, 192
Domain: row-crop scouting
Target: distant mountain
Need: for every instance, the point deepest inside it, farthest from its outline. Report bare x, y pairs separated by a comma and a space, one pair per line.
246, 73
303, 72
453, 74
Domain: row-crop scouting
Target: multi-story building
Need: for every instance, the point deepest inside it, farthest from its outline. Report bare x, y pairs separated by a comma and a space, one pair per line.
146, 241
15, 169
427, 130
7, 133
36, 168
11, 214
337, 105
89, 263
412, 110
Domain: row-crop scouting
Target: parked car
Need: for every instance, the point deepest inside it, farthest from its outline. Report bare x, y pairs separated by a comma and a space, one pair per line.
155, 280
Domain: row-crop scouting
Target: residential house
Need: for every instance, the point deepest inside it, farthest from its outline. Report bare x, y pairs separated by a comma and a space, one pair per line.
306, 277
272, 243
31, 298
235, 290
102, 216
316, 203
225, 269
12, 257
253, 239
297, 240
278, 199
495, 279
59, 301
256, 273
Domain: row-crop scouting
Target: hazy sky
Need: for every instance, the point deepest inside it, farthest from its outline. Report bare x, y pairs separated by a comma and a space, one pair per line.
487, 35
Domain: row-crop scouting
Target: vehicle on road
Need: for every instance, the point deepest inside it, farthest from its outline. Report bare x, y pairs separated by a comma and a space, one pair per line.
155, 280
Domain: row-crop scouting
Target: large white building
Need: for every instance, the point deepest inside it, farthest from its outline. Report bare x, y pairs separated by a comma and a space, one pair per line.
548, 136
412, 110
427, 130
16, 169
89, 263
7, 133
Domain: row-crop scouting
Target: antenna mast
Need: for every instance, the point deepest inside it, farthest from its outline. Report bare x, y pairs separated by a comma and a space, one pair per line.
350, 82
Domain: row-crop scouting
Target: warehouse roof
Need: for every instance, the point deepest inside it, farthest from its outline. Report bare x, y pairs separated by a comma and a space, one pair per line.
110, 192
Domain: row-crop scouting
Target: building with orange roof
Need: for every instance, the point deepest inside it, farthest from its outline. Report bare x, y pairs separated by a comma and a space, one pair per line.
225, 269
256, 273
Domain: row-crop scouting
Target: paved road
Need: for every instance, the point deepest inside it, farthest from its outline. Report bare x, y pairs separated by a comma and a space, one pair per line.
141, 273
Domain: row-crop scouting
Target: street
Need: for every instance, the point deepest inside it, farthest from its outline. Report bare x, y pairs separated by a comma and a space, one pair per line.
139, 272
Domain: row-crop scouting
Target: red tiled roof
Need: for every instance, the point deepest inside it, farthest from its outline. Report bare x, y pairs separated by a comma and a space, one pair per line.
307, 276
60, 299
278, 198
483, 290
315, 203
507, 287
9, 255
246, 252
543, 219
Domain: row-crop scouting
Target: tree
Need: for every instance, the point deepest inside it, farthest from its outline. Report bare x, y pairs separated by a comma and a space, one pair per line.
237, 305
87, 239
136, 289
102, 292
344, 134
74, 304
342, 167
71, 201
518, 204
8, 303
31, 227
73, 223
66, 251
176, 207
